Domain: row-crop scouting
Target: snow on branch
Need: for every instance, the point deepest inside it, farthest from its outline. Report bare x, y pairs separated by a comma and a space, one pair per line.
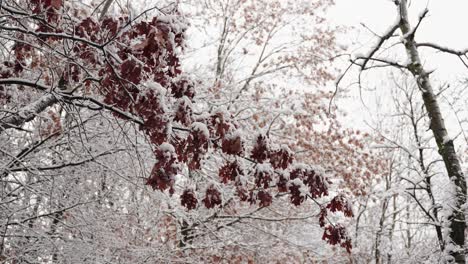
443, 49
28, 112
19, 81
382, 39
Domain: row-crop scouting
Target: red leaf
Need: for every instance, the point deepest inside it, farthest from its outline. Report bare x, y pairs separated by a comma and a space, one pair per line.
282, 184
260, 151
111, 25
188, 199
230, 171
233, 145
197, 144
165, 169
295, 195
219, 125
184, 111
131, 71
242, 193
183, 87
265, 198
340, 203
337, 235
322, 216
317, 184
281, 158
87, 28
180, 145
57, 4
212, 197
263, 175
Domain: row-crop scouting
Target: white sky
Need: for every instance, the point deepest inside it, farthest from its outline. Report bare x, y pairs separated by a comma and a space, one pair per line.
445, 22
445, 25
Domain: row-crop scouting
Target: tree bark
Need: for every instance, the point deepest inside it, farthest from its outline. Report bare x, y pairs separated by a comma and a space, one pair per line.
28, 112
445, 145
107, 4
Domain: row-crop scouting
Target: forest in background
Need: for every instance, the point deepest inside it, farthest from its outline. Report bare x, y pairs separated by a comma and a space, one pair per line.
222, 131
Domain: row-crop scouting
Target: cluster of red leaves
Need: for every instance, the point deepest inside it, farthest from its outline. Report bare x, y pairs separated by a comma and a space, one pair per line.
340, 203
263, 177
212, 197
197, 146
336, 235
264, 197
165, 169
233, 145
39, 5
49, 7
184, 112
139, 74
342, 151
260, 151
141, 77
188, 199
230, 171
317, 184
220, 124
279, 158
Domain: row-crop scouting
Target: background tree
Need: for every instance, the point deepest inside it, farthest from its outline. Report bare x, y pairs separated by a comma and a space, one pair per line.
455, 193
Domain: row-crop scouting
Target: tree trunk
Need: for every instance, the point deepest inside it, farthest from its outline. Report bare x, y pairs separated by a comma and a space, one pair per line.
28, 112
107, 4
445, 145
379, 232
392, 229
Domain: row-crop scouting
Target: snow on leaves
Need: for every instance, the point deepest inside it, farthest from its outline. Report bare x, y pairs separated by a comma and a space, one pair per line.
233, 145
165, 169
197, 144
322, 216
317, 184
220, 123
260, 151
340, 203
265, 198
263, 175
49, 6
134, 67
336, 235
131, 70
230, 171
184, 113
281, 158
46, 4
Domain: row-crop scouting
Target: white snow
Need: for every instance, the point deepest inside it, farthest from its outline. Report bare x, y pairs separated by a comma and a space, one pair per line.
166, 147
199, 126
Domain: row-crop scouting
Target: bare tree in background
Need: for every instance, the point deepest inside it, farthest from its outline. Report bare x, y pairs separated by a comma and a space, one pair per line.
445, 145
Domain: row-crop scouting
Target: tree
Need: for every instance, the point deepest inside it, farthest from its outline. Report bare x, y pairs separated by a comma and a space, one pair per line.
445, 145
253, 56
89, 96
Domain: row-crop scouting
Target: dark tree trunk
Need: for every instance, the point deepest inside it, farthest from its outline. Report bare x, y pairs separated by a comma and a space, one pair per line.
445, 145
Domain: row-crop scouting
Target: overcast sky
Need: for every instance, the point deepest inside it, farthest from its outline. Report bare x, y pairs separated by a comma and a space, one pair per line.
445, 25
